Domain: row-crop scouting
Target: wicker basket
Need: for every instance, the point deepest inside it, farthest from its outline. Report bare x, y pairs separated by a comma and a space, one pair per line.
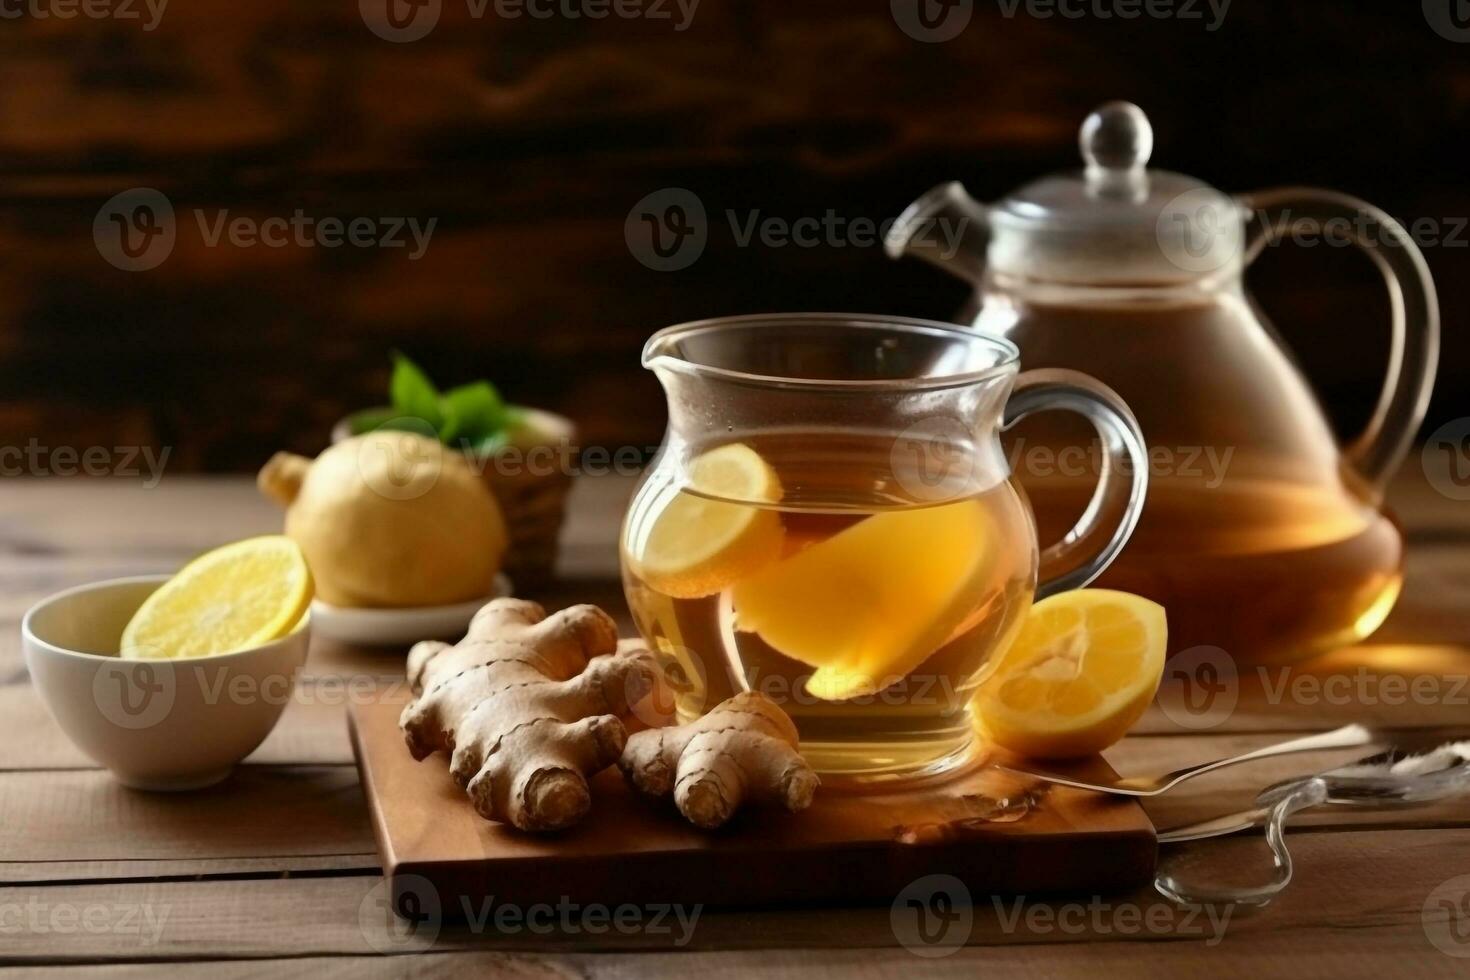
531, 491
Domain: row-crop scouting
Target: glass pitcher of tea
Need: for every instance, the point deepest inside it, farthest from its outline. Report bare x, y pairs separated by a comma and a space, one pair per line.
830, 522
1261, 535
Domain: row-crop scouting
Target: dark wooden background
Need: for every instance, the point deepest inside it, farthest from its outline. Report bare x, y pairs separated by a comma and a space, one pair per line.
530, 140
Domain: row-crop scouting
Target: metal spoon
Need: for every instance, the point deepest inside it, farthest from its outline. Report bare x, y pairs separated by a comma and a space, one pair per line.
1400, 777
1346, 737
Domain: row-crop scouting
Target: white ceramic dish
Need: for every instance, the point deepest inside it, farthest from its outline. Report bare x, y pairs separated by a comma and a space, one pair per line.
396, 627
156, 724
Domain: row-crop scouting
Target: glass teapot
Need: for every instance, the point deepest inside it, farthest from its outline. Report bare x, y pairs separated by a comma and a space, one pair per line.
1261, 536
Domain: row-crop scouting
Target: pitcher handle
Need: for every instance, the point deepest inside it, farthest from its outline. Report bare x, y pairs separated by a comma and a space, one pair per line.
1090, 546
1414, 352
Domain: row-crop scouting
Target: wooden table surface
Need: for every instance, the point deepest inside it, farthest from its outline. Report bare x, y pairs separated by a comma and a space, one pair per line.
275, 871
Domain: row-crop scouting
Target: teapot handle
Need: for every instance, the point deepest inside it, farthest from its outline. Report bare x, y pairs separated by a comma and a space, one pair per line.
1414, 352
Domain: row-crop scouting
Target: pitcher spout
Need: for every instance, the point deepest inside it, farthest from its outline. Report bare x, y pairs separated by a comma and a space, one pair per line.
947, 228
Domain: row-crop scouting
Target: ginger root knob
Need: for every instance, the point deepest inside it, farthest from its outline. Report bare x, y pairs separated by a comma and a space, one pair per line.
529, 705
746, 748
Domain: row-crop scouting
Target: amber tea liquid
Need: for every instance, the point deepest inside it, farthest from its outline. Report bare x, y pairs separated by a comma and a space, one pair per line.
1268, 570
1254, 536
871, 622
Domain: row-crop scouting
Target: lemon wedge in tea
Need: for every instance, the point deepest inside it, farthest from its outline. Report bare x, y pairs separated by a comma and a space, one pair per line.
700, 542
232, 598
1083, 668
872, 602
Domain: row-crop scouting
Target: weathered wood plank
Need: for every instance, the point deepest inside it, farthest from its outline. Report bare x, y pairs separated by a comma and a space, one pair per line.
72, 521
35, 874
66, 844
260, 811
1427, 514
125, 519
12, 661
58, 534
1390, 953
1391, 687
1372, 885
312, 730
310, 733
107, 528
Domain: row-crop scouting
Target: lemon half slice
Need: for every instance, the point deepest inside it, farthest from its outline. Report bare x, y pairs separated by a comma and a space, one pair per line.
698, 545
1079, 674
232, 598
871, 603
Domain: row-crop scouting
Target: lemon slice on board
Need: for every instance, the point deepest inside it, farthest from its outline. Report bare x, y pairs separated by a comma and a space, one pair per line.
697, 545
872, 602
232, 598
1079, 674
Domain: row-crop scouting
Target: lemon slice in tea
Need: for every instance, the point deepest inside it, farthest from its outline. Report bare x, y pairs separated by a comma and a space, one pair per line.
232, 598
871, 603
1079, 674
702, 541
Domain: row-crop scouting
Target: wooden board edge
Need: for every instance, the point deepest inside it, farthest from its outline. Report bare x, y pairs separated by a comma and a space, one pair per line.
375, 815
453, 887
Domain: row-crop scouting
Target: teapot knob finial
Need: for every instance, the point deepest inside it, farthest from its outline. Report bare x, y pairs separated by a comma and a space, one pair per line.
1117, 136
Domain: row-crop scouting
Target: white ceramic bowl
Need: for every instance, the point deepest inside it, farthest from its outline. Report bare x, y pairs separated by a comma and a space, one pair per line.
398, 627
157, 724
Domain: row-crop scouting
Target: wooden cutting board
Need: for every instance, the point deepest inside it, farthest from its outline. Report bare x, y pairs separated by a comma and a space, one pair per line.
846, 848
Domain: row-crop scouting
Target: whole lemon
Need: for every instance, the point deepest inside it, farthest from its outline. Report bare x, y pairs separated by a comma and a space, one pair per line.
390, 519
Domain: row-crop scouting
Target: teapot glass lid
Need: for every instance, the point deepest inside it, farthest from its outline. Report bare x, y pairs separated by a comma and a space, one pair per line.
1115, 220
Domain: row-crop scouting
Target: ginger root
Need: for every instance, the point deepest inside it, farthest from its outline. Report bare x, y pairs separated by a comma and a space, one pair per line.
529, 704
746, 748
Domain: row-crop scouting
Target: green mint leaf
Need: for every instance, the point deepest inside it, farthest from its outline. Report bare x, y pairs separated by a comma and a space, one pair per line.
490, 445
451, 425
369, 419
413, 393
409, 423
476, 409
